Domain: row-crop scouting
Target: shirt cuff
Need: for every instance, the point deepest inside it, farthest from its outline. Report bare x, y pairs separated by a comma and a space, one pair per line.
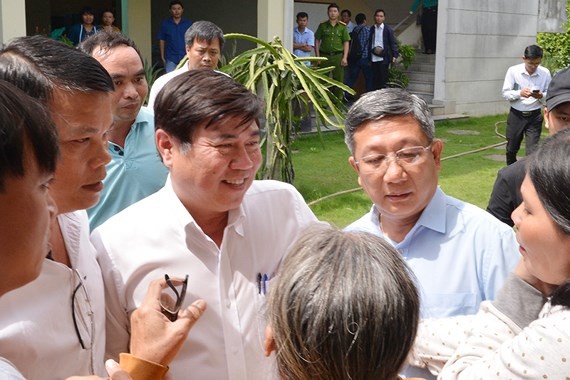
519, 301
141, 369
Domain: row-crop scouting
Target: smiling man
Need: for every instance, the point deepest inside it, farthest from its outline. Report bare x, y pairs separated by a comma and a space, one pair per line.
458, 252
135, 170
211, 220
204, 43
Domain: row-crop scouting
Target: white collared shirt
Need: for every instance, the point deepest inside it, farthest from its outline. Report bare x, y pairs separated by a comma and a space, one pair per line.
518, 78
378, 41
37, 332
158, 236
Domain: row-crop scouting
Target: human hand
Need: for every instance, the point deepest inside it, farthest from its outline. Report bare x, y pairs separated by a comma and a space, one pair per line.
113, 369
344, 62
524, 274
153, 336
526, 92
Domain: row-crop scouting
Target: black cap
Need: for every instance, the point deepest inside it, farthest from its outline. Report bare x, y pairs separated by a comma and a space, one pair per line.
558, 89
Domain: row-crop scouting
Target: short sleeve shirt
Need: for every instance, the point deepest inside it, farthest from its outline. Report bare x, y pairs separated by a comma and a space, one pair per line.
331, 37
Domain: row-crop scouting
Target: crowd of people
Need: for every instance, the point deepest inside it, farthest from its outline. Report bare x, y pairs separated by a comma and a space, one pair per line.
137, 244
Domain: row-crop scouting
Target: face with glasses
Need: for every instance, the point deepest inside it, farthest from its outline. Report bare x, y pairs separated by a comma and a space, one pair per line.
397, 166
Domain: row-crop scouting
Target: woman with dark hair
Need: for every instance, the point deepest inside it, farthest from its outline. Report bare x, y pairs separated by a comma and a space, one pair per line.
79, 32
525, 332
344, 306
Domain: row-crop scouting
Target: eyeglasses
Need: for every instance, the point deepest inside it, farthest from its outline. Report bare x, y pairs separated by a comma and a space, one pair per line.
406, 157
171, 299
82, 313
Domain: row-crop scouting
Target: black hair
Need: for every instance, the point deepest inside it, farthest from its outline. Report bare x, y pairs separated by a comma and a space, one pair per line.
87, 10
533, 52
346, 11
360, 18
204, 31
202, 98
106, 41
175, 2
333, 5
302, 15
24, 124
38, 65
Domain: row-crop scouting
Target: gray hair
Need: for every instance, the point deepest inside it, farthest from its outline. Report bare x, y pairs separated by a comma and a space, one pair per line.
204, 30
387, 102
344, 306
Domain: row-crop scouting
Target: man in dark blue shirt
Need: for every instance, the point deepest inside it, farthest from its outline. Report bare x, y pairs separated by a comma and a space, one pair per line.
171, 36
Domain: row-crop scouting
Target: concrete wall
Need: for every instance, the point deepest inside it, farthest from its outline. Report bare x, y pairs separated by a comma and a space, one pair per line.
12, 19
477, 41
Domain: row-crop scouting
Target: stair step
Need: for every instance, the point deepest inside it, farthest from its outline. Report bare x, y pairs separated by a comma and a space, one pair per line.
421, 76
421, 87
423, 67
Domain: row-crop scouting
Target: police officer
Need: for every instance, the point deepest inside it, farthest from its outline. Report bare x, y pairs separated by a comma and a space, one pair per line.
331, 41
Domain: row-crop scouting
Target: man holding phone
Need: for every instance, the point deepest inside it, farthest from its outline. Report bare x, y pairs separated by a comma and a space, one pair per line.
525, 88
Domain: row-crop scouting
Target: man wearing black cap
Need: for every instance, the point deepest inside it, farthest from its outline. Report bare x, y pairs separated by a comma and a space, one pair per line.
506, 195
525, 88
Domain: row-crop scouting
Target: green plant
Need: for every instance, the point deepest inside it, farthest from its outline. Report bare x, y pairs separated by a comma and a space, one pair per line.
151, 72
286, 85
556, 47
396, 76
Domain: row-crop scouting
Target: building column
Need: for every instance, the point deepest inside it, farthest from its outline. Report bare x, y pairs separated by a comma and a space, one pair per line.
275, 18
136, 24
12, 19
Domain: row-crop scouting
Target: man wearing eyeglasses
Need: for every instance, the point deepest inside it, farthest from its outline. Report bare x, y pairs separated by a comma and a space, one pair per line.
459, 254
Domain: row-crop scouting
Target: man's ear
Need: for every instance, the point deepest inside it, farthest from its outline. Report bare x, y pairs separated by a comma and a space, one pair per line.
436, 149
268, 343
352, 163
164, 145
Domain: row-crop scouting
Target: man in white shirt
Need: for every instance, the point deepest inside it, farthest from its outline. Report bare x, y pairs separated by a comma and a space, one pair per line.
525, 88
204, 44
211, 221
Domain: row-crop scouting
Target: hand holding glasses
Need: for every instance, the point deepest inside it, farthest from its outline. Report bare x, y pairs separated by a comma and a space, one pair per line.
172, 298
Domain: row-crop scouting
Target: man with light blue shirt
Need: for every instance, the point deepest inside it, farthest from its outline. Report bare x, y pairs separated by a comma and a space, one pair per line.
303, 38
459, 253
135, 170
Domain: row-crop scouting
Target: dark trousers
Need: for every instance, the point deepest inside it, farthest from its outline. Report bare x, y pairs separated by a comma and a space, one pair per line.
520, 124
379, 75
354, 69
337, 73
429, 28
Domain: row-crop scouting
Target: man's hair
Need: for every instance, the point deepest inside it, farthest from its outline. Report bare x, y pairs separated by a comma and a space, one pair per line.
379, 10
38, 65
87, 10
202, 98
533, 52
107, 10
24, 125
333, 5
385, 103
360, 18
105, 41
346, 11
175, 2
344, 306
204, 31
302, 15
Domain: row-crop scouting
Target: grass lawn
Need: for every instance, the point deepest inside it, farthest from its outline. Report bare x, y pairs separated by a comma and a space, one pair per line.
322, 168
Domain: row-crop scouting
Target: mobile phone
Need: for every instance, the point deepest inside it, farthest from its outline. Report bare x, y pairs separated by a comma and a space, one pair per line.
536, 91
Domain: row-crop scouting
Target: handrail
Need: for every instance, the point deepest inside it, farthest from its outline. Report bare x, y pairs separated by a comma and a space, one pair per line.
403, 21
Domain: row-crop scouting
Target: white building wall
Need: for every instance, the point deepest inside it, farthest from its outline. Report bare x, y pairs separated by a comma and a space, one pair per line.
477, 42
12, 19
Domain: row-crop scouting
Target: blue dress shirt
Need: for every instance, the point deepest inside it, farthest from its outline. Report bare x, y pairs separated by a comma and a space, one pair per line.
173, 35
460, 254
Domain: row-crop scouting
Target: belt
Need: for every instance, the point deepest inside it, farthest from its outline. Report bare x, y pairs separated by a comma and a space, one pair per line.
330, 54
526, 113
